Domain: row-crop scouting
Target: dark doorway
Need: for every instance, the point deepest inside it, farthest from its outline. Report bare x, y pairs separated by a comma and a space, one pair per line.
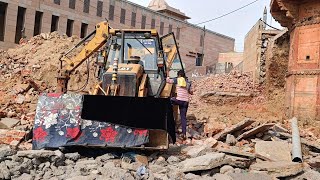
37, 23
84, 29
3, 14
54, 23
69, 27
20, 24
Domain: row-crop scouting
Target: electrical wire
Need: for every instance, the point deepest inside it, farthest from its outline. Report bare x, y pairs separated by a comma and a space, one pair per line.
269, 25
219, 17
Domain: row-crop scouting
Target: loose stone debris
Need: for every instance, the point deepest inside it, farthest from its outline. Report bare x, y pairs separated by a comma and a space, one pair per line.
214, 149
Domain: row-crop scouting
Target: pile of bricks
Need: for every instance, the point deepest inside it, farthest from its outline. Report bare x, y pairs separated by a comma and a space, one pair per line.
25, 72
234, 83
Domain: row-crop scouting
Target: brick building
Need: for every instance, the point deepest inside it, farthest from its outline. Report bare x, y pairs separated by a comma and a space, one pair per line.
229, 61
255, 45
302, 17
26, 18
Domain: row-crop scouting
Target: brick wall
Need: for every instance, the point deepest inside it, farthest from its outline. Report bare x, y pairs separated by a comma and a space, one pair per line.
303, 80
252, 50
234, 57
189, 40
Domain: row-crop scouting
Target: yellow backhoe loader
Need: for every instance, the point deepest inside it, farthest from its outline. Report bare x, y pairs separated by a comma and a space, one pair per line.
129, 107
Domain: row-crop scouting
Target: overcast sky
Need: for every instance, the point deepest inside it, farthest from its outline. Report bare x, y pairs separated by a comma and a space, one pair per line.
235, 25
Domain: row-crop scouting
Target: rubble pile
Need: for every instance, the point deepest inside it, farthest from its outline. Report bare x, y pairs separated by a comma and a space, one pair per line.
31, 69
234, 84
247, 150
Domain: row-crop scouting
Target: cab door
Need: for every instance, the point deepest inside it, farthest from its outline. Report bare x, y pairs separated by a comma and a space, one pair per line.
172, 55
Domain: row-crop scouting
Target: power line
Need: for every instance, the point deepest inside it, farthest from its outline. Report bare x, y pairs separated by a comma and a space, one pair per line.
269, 25
227, 13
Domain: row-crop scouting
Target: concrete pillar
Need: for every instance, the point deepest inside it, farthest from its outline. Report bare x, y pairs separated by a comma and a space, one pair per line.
46, 22
29, 22
11, 21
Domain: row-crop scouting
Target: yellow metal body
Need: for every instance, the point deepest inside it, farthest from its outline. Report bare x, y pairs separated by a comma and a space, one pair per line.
100, 38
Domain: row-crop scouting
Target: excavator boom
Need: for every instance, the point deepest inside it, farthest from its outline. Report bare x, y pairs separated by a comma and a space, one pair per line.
101, 34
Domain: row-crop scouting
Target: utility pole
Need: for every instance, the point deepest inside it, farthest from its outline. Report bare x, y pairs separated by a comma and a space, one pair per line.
204, 34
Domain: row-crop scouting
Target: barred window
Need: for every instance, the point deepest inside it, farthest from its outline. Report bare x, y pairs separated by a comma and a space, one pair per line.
133, 19
161, 28
86, 6
153, 24
99, 8
72, 4
111, 12
123, 16
56, 2
143, 22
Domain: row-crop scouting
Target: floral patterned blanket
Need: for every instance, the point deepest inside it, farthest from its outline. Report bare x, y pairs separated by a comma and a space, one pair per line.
58, 123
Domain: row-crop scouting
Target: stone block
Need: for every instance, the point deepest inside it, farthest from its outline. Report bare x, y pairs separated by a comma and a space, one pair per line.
274, 150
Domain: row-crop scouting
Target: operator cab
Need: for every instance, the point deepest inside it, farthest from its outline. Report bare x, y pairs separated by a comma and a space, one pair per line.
140, 49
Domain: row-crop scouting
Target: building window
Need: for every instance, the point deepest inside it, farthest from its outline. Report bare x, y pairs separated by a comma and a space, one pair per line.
123, 16
143, 22
84, 29
99, 8
86, 6
56, 2
170, 28
111, 12
3, 14
54, 23
201, 40
133, 19
37, 23
20, 24
161, 28
153, 24
178, 33
199, 60
69, 27
72, 4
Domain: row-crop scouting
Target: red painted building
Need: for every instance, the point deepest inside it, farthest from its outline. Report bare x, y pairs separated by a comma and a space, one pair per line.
302, 17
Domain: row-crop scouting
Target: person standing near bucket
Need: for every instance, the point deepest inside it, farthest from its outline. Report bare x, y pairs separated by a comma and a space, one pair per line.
182, 100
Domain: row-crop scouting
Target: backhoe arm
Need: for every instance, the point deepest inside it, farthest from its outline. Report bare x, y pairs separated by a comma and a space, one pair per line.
101, 35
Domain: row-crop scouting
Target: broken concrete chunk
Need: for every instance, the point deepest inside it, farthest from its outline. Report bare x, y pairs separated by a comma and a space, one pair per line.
237, 152
255, 131
274, 150
205, 162
234, 128
226, 169
231, 140
250, 176
239, 162
7, 123
219, 176
278, 169
20, 99
194, 151
36, 154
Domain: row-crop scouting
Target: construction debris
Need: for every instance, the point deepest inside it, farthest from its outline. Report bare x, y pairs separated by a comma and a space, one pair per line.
278, 169
267, 149
218, 145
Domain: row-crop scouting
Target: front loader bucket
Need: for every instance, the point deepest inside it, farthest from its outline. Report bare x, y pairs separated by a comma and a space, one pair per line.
103, 121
